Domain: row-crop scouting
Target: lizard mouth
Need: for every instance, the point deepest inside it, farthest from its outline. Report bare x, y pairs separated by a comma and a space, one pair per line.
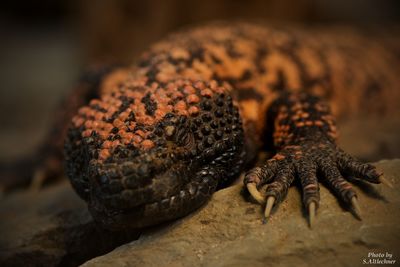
159, 205
170, 195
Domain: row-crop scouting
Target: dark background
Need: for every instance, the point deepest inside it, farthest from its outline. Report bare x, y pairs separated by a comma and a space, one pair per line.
46, 44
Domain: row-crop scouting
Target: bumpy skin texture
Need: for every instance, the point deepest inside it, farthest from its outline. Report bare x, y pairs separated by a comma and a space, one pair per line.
197, 107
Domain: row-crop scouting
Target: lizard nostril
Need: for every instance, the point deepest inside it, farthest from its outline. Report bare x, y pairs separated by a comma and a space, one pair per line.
169, 130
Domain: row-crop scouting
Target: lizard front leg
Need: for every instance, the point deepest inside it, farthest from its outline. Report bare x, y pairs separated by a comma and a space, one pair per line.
304, 136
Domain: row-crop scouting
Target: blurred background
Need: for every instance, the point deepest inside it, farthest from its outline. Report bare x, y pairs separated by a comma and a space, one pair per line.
46, 44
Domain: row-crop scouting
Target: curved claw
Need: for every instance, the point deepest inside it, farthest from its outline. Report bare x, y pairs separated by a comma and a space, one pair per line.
311, 213
268, 206
252, 188
385, 181
356, 207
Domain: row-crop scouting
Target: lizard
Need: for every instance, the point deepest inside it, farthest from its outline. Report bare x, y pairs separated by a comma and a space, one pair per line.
154, 140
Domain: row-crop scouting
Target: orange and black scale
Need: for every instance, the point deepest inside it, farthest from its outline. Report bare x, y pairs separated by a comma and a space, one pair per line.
162, 135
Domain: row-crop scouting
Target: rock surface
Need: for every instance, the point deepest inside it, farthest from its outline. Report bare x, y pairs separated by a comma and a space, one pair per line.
51, 228
54, 228
228, 232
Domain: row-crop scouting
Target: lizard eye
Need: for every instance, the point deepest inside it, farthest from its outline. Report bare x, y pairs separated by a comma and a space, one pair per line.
177, 130
185, 138
180, 133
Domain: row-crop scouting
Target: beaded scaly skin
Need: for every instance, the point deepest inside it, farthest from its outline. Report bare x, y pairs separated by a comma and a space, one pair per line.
193, 112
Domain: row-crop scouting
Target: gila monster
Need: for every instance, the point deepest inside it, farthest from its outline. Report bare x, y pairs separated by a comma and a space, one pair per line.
156, 139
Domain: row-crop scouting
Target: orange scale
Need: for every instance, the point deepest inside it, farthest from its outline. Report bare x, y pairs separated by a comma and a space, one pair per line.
171, 87
129, 93
147, 144
160, 107
140, 119
103, 135
131, 126
115, 143
88, 124
135, 144
180, 105
159, 98
96, 125
199, 85
140, 133
213, 84
118, 123
133, 107
83, 110
128, 135
319, 123
78, 121
189, 90
163, 77
180, 82
193, 110
87, 133
154, 85
192, 99
111, 102
94, 102
183, 112
206, 92
91, 113
139, 112
161, 91
112, 99
121, 132
98, 116
177, 94
117, 94
112, 109
107, 144
138, 95
104, 154
153, 97
105, 98
137, 139
295, 117
126, 141
163, 102
118, 103
123, 117
220, 90
159, 113
107, 126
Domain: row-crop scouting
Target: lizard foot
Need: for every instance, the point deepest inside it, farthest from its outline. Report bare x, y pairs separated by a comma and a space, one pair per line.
304, 161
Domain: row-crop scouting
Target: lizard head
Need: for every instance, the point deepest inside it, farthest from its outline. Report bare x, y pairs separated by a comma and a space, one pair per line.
146, 154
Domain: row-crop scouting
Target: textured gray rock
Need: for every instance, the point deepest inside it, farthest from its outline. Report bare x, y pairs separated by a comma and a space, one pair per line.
228, 232
51, 228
